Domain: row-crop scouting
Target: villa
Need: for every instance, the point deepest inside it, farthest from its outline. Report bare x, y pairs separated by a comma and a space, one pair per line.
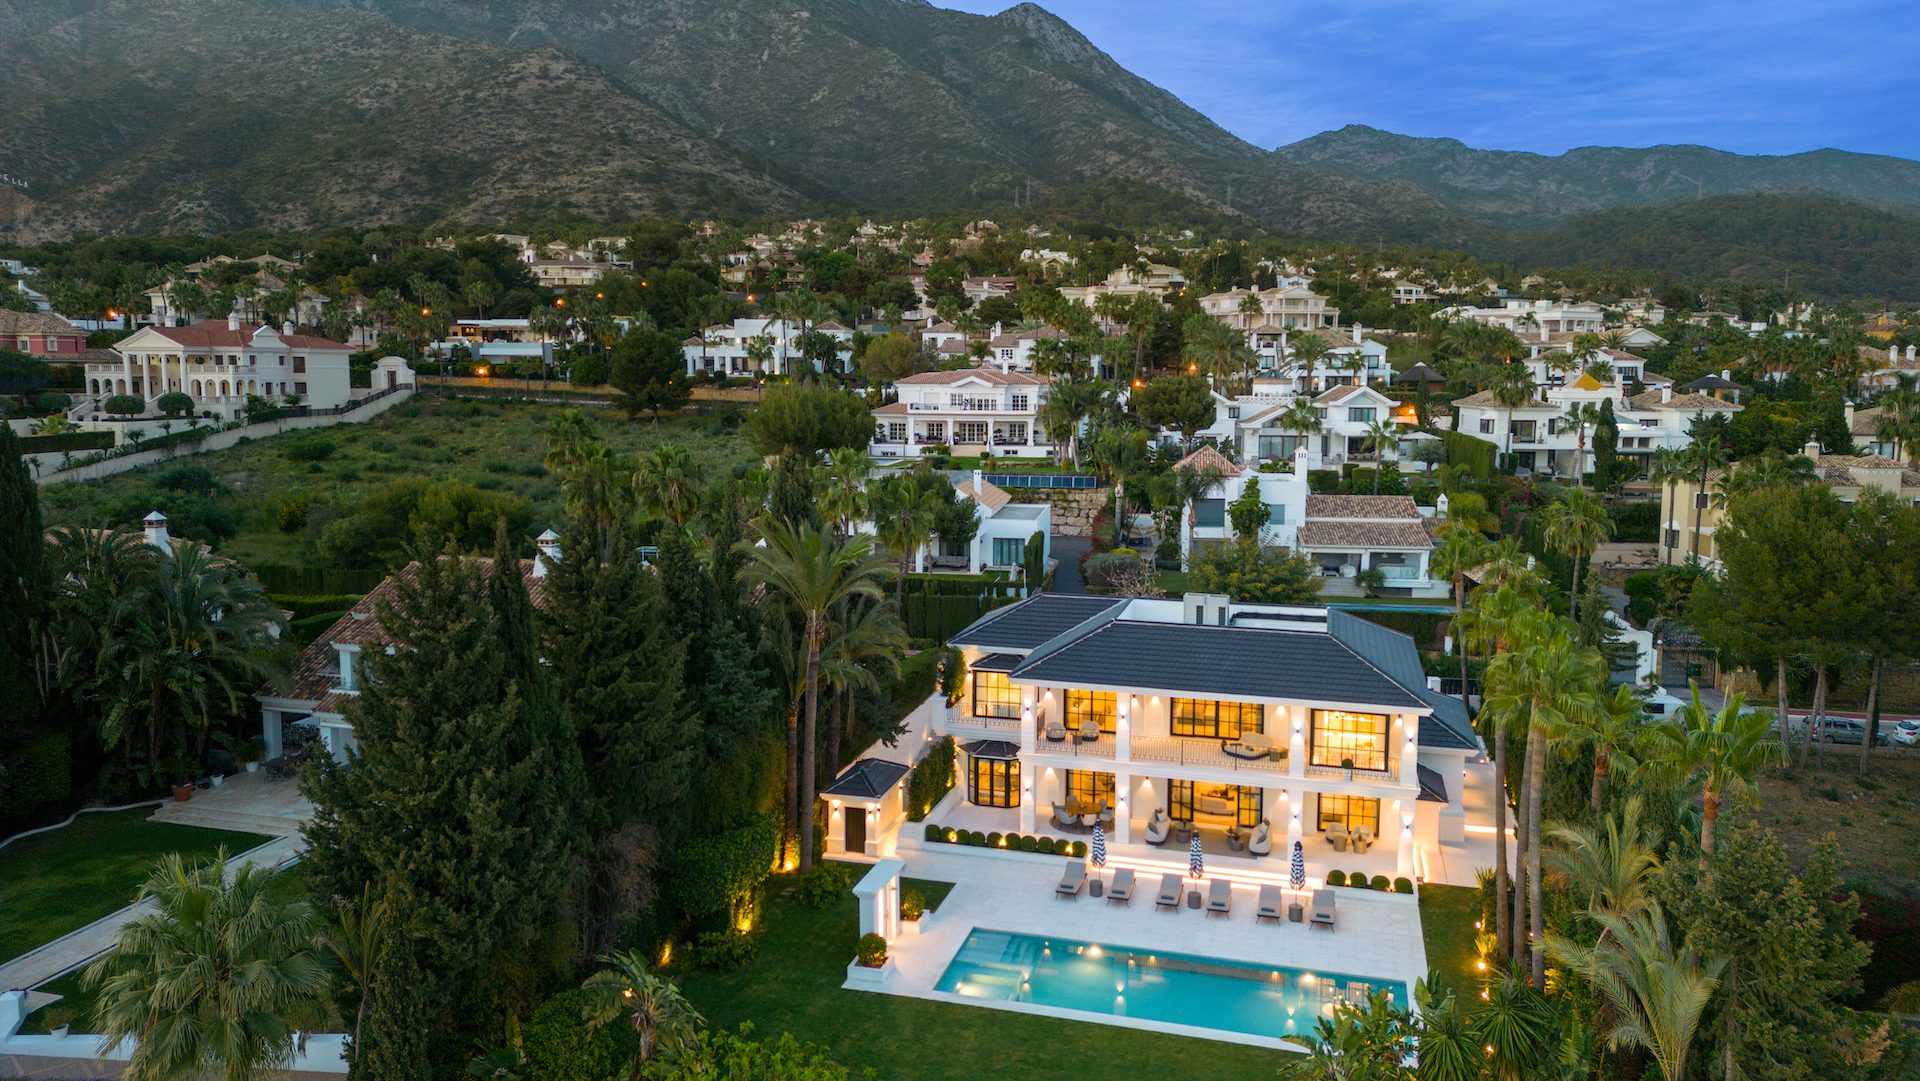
972, 410
1538, 436
1690, 516
220, 365
728, 348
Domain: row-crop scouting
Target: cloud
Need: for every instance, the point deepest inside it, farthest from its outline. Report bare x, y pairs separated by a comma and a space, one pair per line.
1507, 74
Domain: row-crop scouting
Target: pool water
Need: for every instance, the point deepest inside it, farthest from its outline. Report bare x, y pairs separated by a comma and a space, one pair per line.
1205, 992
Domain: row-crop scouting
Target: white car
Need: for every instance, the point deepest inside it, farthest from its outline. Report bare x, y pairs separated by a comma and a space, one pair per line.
1906, 733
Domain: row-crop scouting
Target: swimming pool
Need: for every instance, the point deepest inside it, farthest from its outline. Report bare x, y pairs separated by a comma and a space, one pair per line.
1206, 992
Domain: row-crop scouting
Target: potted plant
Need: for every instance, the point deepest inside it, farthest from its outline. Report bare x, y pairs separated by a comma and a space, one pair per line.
871, 969
181, 771
871, 950
1347, 764
250, 752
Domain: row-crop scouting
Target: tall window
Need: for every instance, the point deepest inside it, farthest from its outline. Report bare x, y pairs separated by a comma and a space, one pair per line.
994, 696
1180, 800
1352, 812
1210, 513
1096, 706
1214, 720
1339, 735
1252, 807
299, 365
1088, 786
1361, 416
1007, 551
970, 431
994, 782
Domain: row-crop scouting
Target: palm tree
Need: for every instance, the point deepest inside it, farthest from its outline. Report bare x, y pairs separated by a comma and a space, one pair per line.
1614, 731
1068, 403
868, 635
1582, 416
1308, 349
1657, 990
841, 486
1190, 486
1512, 388
1458, 551
903, 515
1610, 866
812, 575
1667, 468
652, 1004
1217, 349
1577, 524
203, 984
1497, 604
1300, 416
355, 940
1121, 451
1382, 439
665, 483
1723, 749
1702, 458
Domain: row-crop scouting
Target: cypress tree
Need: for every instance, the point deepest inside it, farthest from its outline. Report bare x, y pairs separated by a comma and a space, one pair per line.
1606, 446
790, 497
22, 563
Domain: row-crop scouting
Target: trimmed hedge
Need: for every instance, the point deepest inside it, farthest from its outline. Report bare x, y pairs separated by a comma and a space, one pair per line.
53, 444
1012, 842
1469, 453
931, 779
1403, 885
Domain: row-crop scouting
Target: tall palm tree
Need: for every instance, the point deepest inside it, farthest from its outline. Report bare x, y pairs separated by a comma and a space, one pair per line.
1577, 524
1301, 417
812, 575
665, 483
841, 483
1308, 349
1382, 439
1069, 403
1722, 749
1667, 468
1614, 731
867, 643
1581, 416
1702, 458
1190, 486
1216, 349
1458, 551
1512, 388
1610, 865
1121, 451
649, 1003
903, 516
1657, 990
203, 984
356, 939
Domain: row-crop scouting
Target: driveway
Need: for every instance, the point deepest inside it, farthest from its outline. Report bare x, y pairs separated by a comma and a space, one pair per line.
1066, 553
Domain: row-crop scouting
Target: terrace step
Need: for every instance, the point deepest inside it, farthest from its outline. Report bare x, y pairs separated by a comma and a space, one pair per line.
186, 814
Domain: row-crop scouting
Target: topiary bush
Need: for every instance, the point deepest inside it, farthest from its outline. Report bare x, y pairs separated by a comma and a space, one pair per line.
1382, 883
1358, 880
125, 405
871, 951
931, 779
935, 833
1078, 850
559, 1047
1029, 844
1403, 885
976, 838
994, 840
913, 903
174, 404
1336, 878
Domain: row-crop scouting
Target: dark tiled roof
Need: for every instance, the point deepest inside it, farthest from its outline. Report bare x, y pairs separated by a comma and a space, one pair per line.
998, 662
1433, 787
1032, 622
1396, 654
1228, 662
869, 778
992, 748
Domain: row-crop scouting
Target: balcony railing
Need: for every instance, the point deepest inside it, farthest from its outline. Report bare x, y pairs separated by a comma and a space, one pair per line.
1193, 752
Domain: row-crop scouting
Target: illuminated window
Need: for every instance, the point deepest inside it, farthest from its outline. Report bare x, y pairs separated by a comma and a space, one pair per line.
1338, 736
1096, 706
1214, 720
994, 782
1352, 812
993, 696
1087, 786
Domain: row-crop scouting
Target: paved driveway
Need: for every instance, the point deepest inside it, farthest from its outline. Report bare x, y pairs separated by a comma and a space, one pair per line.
1067, 552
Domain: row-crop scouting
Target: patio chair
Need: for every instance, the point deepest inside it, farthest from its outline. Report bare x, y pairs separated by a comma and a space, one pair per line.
1121, 889
1104, 815
1337, 836
1269, 904
1169, 893
1362, 839
280, 768
1064, 820
1219, 896
1072, 881
1322, 909
1056, 732
1089, 731
1261, 843
1159, 827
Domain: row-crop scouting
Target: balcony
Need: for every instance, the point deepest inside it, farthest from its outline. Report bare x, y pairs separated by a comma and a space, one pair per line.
1204, 752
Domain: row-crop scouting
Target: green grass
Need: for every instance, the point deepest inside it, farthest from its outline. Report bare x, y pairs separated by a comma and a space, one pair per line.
53, 883
495, 445
930, 891
1174, 583
793, 985
1446, 922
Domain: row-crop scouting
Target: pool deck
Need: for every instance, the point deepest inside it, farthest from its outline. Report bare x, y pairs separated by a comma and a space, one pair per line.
1376, 936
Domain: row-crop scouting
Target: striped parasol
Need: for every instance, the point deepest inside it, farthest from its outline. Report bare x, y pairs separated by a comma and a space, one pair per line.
1297, 873
1195, 868
1099, 845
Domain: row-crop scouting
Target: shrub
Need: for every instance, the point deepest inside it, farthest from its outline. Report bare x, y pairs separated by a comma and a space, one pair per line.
1403, 885
1119, 570
1904, 999
52, 401
1381, 883
197, 479
823, 885
314, 448
1336, 878
871, 950
724, 951
976, 838
174, 404
38, 774
291, 515
1357, 881
935, 833
125, 405
913, 903
712, 874
559, 1047
250, 749
1078, 850
994, 840
1029, 844
931, 779
588, 371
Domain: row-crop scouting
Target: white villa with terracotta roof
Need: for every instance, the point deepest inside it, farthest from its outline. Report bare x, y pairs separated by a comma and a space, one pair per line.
726, 349
219, 365
972, 411
1538, 437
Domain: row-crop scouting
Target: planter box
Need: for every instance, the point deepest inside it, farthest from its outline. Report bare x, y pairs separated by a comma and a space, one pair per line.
862, 978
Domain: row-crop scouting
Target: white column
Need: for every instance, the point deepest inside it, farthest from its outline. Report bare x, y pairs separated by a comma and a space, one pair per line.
1296, 816
1123, 813
1027, 787
270, 731
1405, 810
1404, 733
1123, 728
1297, 741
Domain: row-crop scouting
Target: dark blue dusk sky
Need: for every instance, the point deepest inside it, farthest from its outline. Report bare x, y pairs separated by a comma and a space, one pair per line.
1756, 77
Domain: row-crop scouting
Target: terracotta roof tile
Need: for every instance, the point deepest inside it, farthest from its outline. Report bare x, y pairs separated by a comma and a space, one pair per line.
986, 493
1378, 507
1208, 458
989, 374
1683, 402
212, 334
1364, 535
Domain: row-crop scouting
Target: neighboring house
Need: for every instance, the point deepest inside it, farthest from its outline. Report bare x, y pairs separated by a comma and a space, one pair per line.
1884, 371
971, 410
1846, 474
1287, 307
1012, 350
1221, 716
1540, 440
1408, 293
220, 365
42, 334
1253, 426
1535, 317
330, 671
1346, 363
1129, 281
1864, 424
726, 348
567, 273
1005, 526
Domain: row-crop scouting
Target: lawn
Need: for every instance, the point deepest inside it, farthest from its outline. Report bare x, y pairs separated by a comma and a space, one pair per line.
793, 985
56, 882
497, 446
1447, 915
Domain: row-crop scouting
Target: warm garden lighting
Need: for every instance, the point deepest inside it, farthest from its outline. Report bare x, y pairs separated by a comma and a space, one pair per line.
481, 371
559, 302
424, 312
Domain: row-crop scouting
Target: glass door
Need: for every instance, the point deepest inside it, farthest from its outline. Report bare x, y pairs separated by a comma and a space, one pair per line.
1252, 803
1180, 800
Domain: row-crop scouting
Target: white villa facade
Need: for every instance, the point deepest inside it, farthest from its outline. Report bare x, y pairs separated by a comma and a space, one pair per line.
1254, 426
1534, 317
1285, 307
1541, 440
1253, 725
1005, 527
219, 365
973, 411
727, 349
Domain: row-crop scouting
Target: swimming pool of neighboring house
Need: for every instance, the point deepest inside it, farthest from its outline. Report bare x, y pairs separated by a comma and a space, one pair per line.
1204, 992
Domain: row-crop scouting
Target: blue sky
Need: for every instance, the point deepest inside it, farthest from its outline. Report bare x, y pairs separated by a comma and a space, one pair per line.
1754, 77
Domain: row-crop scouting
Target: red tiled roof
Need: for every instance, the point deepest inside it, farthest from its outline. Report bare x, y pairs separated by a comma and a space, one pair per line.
212, 334
989, 374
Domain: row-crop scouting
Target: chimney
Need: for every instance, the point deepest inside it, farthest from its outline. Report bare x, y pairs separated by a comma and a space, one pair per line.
1909, 352
1812, 450
1543, 333
1846, 410
1727, 374
286, 329
1666, 393
1893, 353
155, 527
1356, 334
233, 320
546, 552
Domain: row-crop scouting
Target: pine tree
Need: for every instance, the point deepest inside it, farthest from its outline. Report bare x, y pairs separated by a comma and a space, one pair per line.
396, 1037
22, 561
790, 498
459, 802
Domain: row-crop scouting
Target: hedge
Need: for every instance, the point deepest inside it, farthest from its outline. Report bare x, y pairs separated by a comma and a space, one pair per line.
1636, 523
559, 1047
713, 874
1012, 842
38, 775
53, 444
931, 780
1469, 453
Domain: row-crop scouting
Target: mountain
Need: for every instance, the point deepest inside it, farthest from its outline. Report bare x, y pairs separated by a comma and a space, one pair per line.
1506, 187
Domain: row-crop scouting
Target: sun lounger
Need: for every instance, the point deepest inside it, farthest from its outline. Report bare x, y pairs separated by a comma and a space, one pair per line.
1121, 889
1219, 896
1169, 892
1269, 904
1072, 880
1322, 909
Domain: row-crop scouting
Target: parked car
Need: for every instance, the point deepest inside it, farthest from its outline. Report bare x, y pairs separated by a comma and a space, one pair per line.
1906, 733
1848, 730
